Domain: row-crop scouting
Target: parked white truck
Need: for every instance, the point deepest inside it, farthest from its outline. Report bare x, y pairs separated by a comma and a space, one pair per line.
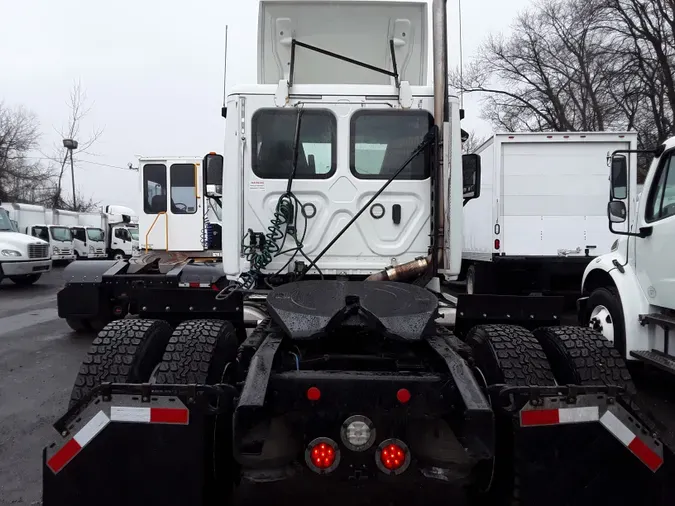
540, 217
89, 236
23, 259
629, 293
121, 229
43, 223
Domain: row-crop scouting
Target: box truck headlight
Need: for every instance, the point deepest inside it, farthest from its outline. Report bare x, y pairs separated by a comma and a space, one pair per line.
91, 249
10, 253
56, 250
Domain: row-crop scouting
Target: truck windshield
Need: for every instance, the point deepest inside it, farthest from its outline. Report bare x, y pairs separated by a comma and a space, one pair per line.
134, 233
61, 234
95, 234
5, 222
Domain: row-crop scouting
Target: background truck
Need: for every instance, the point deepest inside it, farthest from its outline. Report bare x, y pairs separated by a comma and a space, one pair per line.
89, 239
348, 375
38, 221
121, 231
23, 259
541, 215
629, 293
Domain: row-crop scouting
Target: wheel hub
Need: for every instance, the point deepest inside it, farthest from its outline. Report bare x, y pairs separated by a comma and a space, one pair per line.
601, 321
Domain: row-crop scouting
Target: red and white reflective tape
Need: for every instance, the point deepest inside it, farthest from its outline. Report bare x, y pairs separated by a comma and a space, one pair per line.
68, 451
561, 416
176, 416
620, 431
194, 285
536, 417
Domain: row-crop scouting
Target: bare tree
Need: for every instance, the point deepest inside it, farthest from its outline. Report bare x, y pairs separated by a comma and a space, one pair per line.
79, 108
573, 65
21, 177
473, 142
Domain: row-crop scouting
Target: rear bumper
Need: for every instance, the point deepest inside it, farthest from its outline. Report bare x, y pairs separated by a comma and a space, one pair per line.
23, 268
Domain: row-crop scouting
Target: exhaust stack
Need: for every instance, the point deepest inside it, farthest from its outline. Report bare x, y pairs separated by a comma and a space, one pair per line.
440, 66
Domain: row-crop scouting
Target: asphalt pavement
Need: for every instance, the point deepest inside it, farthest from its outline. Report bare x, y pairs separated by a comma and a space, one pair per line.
40, 357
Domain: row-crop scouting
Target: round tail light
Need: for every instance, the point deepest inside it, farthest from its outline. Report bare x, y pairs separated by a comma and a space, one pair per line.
322, 455
392, 456
358, 433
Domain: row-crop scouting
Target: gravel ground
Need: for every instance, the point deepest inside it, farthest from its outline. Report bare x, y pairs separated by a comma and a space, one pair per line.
40, 356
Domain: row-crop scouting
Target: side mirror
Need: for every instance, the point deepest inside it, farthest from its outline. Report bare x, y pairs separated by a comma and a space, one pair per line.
471, 176
616, 211
213, 173
619, 178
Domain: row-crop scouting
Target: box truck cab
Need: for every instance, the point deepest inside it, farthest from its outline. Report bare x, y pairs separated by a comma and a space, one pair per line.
89, 242
59, 237
121, 226
23, 259
629, 293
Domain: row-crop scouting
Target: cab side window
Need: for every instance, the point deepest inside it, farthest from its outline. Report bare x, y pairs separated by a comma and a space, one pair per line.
121, 233
661, 203
154, 188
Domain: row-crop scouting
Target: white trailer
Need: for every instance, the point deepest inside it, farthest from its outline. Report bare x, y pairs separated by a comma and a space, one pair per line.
541, 214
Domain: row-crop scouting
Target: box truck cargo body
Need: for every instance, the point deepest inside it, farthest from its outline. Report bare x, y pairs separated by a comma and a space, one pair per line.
542, 211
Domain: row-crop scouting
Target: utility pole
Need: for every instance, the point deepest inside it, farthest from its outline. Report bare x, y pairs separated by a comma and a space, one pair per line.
71, 145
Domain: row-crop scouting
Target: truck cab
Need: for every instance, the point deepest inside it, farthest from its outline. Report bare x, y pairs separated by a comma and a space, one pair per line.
629, 293
59, 237
122, 241
23, 259
89, 242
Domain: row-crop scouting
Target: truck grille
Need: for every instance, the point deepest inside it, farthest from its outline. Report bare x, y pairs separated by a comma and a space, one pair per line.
65, 251
99, 250
38, 250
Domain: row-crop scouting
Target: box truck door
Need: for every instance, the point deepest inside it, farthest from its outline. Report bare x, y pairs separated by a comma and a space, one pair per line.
554, 198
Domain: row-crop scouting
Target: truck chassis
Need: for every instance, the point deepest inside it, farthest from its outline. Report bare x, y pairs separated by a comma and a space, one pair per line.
495, 411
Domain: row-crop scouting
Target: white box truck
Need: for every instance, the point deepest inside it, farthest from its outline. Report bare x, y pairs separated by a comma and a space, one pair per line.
89, 236
542, 211
23, 259
42, 223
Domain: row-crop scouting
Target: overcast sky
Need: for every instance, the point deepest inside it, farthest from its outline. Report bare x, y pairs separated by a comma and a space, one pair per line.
153, 71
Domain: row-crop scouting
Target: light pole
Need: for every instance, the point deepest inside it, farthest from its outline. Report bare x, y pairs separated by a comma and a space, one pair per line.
71, 145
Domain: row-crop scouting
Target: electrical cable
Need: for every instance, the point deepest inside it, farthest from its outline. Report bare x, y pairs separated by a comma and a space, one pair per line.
429, 137
282, 225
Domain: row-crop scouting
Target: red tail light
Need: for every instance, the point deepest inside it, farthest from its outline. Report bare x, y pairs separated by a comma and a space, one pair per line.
313, 394
322, 455
392, 456
497, 244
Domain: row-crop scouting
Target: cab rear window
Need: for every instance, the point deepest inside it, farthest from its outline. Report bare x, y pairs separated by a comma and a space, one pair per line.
273, 135
381, 141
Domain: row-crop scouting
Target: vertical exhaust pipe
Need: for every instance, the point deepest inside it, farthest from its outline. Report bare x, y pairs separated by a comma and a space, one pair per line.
440, 65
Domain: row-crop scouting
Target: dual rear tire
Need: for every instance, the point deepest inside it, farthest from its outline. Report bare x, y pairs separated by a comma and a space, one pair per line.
549, 465
196, 352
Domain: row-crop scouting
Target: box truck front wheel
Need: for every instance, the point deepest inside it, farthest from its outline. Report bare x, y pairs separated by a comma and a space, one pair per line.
605, 315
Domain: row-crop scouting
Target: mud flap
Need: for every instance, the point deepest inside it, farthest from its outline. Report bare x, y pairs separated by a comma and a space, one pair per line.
122, 450
587, 450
